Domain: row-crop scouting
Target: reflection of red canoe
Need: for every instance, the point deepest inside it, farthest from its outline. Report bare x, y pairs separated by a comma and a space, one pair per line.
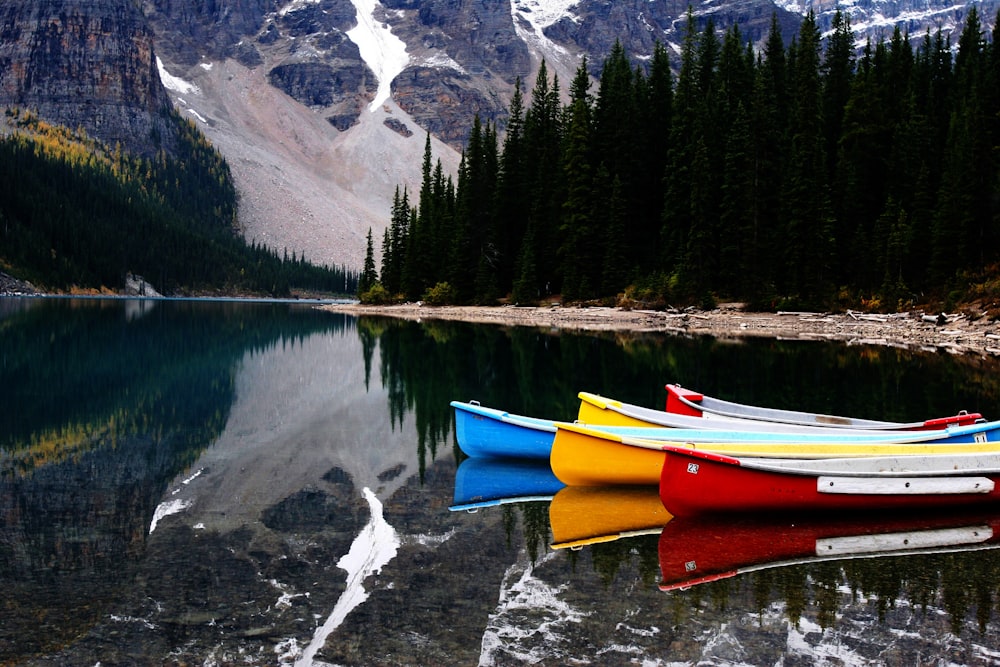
686, 402
697, 482
698, 550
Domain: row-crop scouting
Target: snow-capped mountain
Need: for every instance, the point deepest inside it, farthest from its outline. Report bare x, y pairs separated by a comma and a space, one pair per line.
322, 107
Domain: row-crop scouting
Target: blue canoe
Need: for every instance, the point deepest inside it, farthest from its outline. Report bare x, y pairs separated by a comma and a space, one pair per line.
489, 432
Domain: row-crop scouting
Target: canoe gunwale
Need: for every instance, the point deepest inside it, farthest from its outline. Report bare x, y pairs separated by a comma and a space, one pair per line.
739, 411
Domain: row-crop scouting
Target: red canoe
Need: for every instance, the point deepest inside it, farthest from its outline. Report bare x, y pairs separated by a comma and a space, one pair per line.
696, 482
703, 549
686, 402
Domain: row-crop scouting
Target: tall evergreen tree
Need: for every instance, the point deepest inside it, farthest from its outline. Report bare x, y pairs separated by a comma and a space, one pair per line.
838, 74
580, 248
614, 273
809, 251
395, 243
416, 274
769, 141
739, 261
368, 275
542, 140
655, 118
677, 219
860, 187
513, 202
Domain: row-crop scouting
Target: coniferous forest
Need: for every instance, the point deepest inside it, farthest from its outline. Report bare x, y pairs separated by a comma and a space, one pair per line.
801, 175
75, 214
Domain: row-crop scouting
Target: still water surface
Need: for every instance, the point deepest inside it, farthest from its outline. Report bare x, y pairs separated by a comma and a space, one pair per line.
206, 483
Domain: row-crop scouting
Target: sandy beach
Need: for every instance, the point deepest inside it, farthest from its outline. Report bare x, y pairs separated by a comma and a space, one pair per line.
959, 333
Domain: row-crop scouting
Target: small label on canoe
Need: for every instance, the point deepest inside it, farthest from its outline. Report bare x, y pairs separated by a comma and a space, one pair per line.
693, 468
904, 486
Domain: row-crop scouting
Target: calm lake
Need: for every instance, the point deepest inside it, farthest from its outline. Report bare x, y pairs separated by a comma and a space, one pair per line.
226, 483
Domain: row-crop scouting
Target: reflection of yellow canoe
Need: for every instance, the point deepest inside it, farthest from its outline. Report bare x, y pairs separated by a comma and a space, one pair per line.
584, 456
589, 515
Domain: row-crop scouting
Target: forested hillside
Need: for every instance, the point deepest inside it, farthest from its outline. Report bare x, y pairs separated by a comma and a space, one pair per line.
802, 176
77, 214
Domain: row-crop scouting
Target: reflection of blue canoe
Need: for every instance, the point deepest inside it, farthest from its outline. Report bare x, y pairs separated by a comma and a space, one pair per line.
487, 482
489, 432
704, 549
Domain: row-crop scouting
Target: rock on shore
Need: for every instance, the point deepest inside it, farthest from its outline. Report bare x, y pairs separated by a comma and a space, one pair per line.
11, 286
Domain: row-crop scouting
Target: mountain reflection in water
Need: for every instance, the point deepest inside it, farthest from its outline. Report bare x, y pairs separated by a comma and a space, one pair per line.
219, 483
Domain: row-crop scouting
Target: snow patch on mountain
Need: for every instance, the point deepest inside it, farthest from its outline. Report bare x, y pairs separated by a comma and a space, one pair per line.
383, 52
877, 22
543, 13
295, 5
531, 17
174, 83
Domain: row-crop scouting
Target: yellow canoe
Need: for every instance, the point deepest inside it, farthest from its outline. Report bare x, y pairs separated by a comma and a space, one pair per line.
587, 456
596, 409
583, 515
582, 456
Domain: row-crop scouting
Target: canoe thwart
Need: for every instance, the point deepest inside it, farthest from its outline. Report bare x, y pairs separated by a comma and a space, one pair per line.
903, 486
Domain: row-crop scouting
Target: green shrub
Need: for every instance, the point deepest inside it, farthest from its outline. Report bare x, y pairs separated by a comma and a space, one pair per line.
440, 295
376, 296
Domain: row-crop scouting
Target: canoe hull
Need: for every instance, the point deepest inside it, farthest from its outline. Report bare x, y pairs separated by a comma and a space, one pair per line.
580, 459
695, 483
592, 456
484, 432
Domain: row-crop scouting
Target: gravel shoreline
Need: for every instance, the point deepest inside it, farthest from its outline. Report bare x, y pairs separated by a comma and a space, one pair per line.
959, 333
953, 333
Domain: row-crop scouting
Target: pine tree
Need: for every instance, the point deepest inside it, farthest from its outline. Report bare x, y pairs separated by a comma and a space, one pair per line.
418, 271
614, 274
739, 262
542, 141
676, 217
838, 73
512, 206
769, 150
580, 241
965, 219
809, 225
368, 275
654, 123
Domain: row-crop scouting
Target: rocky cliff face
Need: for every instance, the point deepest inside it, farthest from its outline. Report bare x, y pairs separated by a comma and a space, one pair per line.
465, 56
85, 63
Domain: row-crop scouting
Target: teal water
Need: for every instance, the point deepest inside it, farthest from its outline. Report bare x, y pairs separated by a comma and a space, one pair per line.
269, 484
